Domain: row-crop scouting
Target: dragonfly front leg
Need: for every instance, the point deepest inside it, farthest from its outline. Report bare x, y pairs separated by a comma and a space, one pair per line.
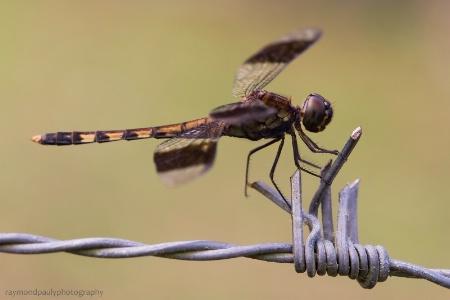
313, 146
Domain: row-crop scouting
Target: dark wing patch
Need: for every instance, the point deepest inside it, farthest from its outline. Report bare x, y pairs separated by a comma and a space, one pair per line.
239, 112
188, 155
261, 68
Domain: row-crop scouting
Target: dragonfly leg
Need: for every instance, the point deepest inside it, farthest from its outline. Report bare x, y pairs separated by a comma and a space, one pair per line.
274, 165
313, 146
272, 170
253, 152
298, 159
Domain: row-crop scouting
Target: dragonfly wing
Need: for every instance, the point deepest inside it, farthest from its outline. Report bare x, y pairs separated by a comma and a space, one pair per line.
261, 68
239, 112
188, 155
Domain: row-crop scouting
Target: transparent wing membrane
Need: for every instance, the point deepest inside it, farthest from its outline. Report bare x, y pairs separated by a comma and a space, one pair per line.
261, 68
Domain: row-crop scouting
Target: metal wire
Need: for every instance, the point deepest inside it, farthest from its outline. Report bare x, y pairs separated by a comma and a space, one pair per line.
318, 254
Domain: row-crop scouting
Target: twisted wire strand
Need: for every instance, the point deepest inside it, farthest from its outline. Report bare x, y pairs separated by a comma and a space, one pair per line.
317, 254
201, 250
19, 243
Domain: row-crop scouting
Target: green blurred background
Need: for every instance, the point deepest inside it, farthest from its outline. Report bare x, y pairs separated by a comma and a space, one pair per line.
86, 65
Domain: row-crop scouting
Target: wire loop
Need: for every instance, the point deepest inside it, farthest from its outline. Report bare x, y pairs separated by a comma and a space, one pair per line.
368, 264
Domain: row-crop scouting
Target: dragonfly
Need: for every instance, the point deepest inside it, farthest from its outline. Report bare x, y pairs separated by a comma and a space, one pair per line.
190, 148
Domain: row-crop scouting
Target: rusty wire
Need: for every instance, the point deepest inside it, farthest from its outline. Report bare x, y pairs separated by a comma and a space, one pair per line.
321, 253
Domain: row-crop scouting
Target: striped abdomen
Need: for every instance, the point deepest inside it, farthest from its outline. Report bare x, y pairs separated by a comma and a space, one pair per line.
85, 137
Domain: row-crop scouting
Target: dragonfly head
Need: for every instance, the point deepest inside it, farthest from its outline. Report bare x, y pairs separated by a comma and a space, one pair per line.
316, 113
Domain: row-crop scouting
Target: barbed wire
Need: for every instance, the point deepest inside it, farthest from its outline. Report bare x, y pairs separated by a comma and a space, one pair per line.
320, 253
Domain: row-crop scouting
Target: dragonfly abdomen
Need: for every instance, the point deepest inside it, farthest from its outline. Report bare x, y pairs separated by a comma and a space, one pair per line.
86, 137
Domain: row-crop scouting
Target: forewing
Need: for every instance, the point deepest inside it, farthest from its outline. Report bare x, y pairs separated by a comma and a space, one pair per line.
239, 112
188, 155
261, 68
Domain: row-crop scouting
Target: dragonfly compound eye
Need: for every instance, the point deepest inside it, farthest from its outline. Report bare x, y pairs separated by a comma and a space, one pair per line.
316, 113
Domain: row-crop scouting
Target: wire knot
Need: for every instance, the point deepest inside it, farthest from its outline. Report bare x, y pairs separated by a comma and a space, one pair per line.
317, 255
326, 254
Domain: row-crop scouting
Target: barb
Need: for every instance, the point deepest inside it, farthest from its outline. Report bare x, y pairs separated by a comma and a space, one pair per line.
327, 180
321, 254
368, 264
316, 255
